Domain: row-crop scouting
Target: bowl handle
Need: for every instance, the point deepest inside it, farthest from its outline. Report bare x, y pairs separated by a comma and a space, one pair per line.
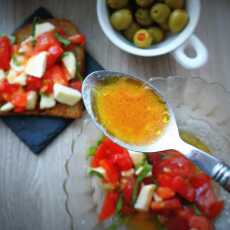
192, 62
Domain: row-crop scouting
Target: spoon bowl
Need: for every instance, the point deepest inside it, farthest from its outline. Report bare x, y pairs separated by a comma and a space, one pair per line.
169, 139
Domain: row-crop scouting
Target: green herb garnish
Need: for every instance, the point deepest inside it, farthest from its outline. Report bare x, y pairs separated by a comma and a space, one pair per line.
196, 210
15, 60
61, 39
78, 71
119, 205
91, 151
12, 39
159, 224
92, 172
33, 32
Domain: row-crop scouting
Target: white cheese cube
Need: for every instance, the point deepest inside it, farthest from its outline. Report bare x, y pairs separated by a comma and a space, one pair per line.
20, 79
6, 107
70, 63
47, 102
31, 100
12, 74
145, 197
2, 75
137, 157
24, 47
43, 28
66, 95
127, 173
17, 63
36, 65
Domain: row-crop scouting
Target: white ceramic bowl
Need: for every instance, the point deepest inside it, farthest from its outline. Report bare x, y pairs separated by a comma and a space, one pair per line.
175, 44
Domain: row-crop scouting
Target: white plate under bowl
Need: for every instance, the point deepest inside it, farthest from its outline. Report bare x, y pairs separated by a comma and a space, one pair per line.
201, 108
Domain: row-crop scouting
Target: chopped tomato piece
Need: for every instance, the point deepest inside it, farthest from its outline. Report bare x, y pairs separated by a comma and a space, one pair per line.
112, 175
109, 205
78, 39
19, 100
127, 190
33, 83
45, 41
183, 188
7, 90
55, 53
173, 223
76, 85
127, 210
200, 223
5, 52
165, 192
165, 180
166, 205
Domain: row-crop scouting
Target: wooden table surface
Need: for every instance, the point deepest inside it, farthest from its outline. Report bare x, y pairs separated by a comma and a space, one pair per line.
31, 187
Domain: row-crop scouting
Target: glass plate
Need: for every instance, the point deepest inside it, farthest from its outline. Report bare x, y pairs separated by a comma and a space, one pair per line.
201, 108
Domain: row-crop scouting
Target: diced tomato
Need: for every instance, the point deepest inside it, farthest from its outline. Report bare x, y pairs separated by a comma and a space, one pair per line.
183, 188
200, 223
55, 74
76, 85
166, 205
33, 83
127, 190
112, 175
45, 41
55, 53
7, 90
109, 205
15, 48
176, 166
19, 100
165, 180
61, 31
165, 192
205, 197
5, 52
113, 153
78, 39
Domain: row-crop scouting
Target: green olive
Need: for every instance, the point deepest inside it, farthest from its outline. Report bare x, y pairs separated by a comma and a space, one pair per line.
178, 20
143, 17
156, 33
117, 4
144, 3
142, 39
121, 19
160, 12
129, 33
175, 4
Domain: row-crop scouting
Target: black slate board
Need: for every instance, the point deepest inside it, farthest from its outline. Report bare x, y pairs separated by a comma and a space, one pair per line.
38, 132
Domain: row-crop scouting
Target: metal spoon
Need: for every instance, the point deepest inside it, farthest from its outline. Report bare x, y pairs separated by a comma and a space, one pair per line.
170, 139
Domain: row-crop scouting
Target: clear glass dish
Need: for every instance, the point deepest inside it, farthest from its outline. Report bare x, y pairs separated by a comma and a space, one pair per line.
201, 108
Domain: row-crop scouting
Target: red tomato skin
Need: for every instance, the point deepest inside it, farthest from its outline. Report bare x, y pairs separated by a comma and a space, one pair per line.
112, 175
33, 83
78, 39
5, 53
109, 205
174, 223
55, 53
183, 188
127, 190
200, 223
165, 180
19, 100
165, 205
127, 210
165, 192
76, 85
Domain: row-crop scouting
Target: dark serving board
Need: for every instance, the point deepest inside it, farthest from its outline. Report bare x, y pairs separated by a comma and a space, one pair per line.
38, 132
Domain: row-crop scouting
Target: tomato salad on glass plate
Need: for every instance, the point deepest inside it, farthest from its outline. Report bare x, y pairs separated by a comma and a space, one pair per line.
163, 189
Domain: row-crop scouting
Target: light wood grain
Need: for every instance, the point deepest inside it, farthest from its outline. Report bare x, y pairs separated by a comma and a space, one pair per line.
31, 193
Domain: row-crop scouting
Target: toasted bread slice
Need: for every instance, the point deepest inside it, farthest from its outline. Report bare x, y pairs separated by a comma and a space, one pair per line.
60, 110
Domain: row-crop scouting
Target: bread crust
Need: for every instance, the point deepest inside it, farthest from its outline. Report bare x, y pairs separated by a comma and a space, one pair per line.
60, 110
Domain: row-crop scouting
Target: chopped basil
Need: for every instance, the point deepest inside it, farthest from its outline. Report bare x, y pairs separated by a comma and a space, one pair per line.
100, 140
33, 32
15, 60
159, 224
119, 205
12, 39
134, 194
91, 151
78, 71
196, 210
61, 39
92, 172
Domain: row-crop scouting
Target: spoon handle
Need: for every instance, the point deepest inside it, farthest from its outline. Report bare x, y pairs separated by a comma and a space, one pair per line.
215, 168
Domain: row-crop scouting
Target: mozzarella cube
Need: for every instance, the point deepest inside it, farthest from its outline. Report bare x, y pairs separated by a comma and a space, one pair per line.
145, 197
43, 28
47, 102
20, 79
66, 95
17, 63
12, 74
137, 157
2, 75
127, 173
31, 100
70, 63
24, 46
6, 107
36, 65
